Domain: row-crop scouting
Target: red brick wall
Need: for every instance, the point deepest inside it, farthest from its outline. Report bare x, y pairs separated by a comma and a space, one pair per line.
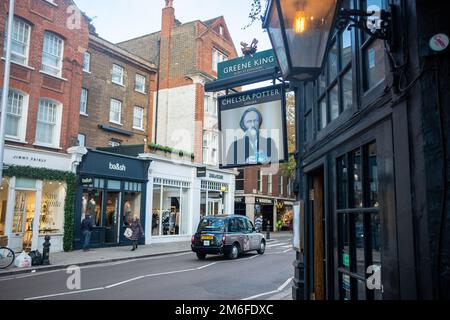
46, 17
251, 182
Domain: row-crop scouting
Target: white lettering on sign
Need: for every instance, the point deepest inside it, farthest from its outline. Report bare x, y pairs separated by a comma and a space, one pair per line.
249, 64
251, 97
117, 167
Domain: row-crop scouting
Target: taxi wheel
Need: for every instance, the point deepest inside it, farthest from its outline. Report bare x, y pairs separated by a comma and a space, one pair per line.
262, 248
234, 252
201, 256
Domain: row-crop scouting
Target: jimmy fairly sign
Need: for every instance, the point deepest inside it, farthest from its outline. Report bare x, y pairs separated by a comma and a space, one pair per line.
117, 167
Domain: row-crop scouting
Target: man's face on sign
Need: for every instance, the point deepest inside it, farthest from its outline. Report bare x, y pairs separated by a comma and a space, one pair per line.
252, 121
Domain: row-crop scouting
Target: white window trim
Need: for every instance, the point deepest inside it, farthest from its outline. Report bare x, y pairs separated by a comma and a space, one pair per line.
259, 180
87, 99
57, 132
281, 186
122, 78
120, 115
135, 82
59, 75
89, 65
82, 134
141, 128
28, 42
270, 183
24, 118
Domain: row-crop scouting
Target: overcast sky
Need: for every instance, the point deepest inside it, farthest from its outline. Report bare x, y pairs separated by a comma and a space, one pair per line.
119, 20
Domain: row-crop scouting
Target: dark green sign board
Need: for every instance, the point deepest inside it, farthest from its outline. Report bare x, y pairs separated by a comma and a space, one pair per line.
247, 64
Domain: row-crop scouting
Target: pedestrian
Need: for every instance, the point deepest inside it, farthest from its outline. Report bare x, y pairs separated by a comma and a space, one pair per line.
86, 230
258, 223
138, 231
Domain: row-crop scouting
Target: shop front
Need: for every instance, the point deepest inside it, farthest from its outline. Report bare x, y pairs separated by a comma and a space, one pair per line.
179, 194
266, 207
112, 190
284, 214
32, 198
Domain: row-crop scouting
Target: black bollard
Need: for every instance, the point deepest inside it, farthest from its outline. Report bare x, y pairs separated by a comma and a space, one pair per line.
46, 251
268, 232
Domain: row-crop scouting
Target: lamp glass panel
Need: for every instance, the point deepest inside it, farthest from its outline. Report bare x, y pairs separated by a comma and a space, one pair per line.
308, 44
276, 35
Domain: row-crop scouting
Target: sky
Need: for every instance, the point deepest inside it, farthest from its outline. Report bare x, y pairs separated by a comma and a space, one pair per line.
119, 20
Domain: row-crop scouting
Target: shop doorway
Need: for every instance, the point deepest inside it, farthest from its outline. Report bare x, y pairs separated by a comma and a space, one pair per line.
267, 212
318, 259
214, 207
111, 221
23, 220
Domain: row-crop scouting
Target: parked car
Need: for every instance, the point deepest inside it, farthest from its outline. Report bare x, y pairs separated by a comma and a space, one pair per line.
230, 235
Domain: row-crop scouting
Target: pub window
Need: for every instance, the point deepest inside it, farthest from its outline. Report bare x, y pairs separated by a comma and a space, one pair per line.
358, 217
335, 84
372, 51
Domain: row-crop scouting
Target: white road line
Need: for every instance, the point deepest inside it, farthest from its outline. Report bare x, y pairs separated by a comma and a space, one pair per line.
277, 245
137, 278
281, 288
63, 294
288, 246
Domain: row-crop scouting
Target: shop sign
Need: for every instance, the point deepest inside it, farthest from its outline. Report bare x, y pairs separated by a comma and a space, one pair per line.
239, 199
216, 176
87, 181
36, 159
201, 172
247, 64
110, 165
264, 201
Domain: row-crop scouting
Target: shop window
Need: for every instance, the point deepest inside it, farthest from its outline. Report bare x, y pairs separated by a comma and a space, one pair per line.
3, 203
23, 216
203, 199
51, 220
91, 204
170, 210
359, 229
131, 207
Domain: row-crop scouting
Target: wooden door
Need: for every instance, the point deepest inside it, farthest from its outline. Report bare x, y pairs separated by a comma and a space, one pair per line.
319, 249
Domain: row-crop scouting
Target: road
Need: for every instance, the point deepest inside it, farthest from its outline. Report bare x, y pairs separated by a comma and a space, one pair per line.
169, 277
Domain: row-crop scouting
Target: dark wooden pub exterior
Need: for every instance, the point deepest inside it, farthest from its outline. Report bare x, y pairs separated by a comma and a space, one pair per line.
373, 166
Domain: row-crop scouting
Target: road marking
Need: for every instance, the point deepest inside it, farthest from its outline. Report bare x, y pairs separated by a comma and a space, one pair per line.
281, 288
288, 246
99, 265
137, 278
277, 245
64, 294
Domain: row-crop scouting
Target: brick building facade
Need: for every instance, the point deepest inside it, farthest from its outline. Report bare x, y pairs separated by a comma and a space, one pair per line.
48, 40
117, 96
187, 55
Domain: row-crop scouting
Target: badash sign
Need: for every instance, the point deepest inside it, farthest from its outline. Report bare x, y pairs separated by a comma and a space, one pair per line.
117, 167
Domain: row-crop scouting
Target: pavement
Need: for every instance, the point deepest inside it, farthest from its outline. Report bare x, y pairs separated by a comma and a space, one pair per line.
63, 260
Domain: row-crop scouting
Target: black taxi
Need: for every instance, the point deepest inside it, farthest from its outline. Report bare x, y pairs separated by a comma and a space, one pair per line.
230, 235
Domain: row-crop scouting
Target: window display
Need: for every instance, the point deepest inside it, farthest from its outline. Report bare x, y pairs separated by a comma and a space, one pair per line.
52, 207
3, 202
170, 209
23, 218
131, 206
91, 202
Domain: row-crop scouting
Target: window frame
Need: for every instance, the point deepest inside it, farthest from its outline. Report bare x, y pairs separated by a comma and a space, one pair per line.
56, 138
117, 67
84, 113
84, 139
88, 69
60, 58
120, 112
141, 127
27, 43
22, 125
140, 76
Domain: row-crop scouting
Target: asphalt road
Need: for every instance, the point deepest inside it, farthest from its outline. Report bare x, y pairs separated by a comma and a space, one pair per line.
170, 277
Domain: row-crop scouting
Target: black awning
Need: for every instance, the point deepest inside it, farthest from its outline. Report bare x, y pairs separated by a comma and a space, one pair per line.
116, 130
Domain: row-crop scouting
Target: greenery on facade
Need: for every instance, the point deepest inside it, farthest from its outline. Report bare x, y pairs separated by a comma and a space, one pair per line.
53, 175
167, 149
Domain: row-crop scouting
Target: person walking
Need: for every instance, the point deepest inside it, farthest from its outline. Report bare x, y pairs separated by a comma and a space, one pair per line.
258, 223
138, 231
86, 230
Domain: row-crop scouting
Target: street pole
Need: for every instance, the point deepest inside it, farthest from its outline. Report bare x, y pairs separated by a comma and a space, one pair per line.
5, 93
